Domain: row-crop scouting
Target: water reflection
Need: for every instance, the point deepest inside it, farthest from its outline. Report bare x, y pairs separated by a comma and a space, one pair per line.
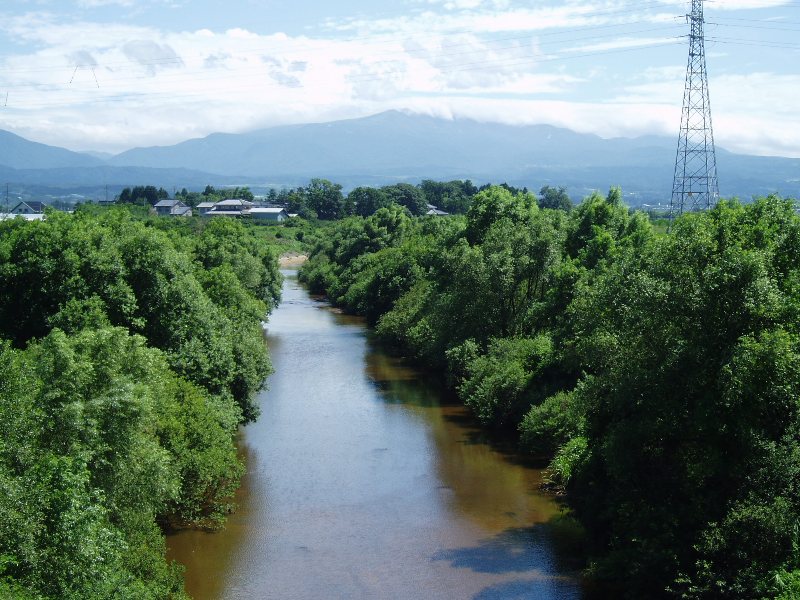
487, 487
361, 483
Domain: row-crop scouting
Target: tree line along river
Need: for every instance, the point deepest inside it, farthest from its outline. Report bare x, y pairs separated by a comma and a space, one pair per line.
365, 481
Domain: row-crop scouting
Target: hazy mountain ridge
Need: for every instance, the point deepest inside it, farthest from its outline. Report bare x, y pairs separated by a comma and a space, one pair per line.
18, 153
394, 146
393, 142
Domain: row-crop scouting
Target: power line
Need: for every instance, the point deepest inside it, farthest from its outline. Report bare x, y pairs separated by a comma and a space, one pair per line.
434, 54
382, 39
463, 67
756, 43
775, 21
297, 52
787, 29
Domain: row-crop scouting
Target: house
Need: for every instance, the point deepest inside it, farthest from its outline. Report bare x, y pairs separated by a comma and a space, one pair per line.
234, 207
276, 215
29, 207
435, 212
204, 207
182, 211
172, 208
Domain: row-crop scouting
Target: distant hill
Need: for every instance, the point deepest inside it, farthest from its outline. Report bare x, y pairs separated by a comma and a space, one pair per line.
108, 175
94, 183
394, 146
18, 153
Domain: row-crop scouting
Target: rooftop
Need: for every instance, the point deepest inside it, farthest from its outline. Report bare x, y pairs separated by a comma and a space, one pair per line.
269, 211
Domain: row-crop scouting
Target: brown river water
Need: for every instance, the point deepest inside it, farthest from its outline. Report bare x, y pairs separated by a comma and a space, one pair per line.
364, 481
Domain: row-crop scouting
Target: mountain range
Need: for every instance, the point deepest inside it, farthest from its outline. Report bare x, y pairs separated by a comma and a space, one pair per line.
391, 147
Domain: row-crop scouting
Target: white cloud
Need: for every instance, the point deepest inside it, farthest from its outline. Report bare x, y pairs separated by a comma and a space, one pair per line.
151, 55
496, 19
744, 4
483, 59
121, 3
96, 3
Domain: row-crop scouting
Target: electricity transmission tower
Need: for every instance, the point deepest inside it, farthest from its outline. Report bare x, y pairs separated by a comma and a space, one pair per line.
695, 185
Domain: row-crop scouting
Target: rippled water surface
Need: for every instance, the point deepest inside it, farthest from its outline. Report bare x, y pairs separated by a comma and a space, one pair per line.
363, 483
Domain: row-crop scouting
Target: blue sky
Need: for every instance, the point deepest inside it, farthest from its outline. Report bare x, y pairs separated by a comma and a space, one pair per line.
113, 74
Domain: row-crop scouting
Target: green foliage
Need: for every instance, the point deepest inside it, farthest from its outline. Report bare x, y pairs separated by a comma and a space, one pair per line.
86, 270
228, 242
344, 242
454, 197
325, 199
88, 465
407, 196
139, 349
786, 585
707, 396
495, 204
367, 200
661, 373
374, 282
555, 198
569, 459
597, 226
498, 384
142, 195
546, 427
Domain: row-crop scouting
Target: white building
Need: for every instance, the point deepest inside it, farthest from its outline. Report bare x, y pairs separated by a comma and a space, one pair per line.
276, 215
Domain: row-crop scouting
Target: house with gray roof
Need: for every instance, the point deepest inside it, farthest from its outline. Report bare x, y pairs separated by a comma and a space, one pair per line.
276, 215
434, 211
204, 207
233, 207
172, 208
28, 207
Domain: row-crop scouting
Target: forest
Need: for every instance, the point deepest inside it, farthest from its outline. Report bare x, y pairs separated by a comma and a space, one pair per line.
657, 373
132, 348
324, 200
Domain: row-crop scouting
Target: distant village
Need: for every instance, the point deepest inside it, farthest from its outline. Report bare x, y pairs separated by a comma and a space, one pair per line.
234, 207
31, 210
35, 210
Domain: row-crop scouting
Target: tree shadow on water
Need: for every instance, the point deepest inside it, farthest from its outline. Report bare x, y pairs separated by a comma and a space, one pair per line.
531, 589
542, 562
516, 550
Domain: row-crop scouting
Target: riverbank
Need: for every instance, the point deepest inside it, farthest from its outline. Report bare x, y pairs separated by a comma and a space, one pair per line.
292, 260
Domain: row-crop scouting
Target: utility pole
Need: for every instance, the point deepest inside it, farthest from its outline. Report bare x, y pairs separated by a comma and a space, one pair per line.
7, 207
695, 186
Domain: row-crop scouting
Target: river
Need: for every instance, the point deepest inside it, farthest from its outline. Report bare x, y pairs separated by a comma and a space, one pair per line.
362, 482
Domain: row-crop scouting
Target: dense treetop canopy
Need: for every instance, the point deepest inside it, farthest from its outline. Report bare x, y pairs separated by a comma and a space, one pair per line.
659, 373
131, 352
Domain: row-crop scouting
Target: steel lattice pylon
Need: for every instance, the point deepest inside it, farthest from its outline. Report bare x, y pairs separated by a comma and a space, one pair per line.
695, 185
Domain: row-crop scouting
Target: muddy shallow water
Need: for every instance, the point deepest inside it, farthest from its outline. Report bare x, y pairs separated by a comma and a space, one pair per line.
363, 482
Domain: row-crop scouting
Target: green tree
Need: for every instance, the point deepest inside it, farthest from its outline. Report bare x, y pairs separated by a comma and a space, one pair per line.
555, 198
494, 204
452, 196
408, 196
324, 198
367, 200
142, 195
707, 396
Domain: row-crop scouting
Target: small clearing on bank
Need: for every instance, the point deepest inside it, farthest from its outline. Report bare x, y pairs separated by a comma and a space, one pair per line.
289, 260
